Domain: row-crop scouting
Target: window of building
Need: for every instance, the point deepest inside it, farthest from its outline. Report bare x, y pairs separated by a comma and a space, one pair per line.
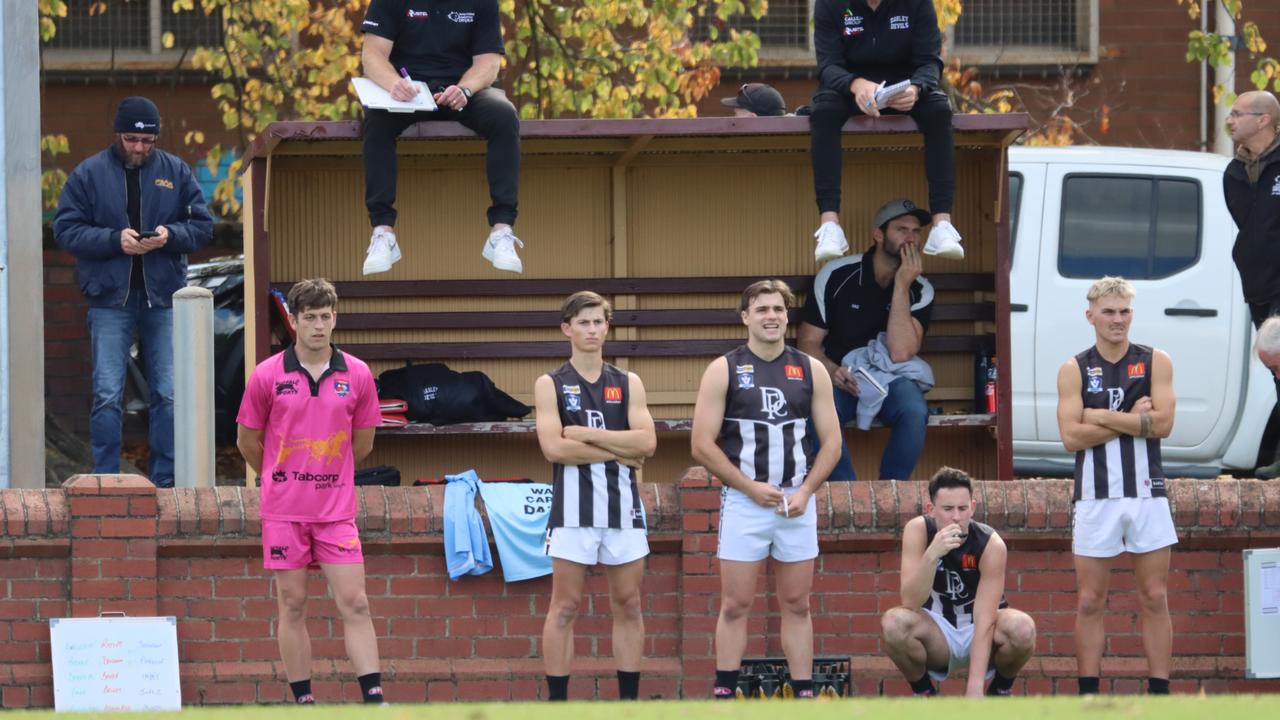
132, 25
1026, 32
784, 31
1140, 227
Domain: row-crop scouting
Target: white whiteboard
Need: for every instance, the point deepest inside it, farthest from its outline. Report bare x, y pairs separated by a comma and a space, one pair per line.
115, 663
1262, 613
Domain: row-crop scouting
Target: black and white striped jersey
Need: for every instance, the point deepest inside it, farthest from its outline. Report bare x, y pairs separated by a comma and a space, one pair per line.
767, 416
1125, 466
600, 495
955, 581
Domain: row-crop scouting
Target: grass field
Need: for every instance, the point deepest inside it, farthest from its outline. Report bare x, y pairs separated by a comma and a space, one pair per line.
1186, 707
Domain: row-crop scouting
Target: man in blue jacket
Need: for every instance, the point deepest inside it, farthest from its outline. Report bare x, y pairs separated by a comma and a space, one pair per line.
130, 214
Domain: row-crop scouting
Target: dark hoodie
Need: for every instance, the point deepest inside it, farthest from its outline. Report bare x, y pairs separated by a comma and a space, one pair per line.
1251, 185
899, 41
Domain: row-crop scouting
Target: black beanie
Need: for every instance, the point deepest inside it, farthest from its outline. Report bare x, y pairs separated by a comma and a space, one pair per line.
139, 115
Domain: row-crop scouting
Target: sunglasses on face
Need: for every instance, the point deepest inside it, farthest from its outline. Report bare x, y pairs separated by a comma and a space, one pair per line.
147, 141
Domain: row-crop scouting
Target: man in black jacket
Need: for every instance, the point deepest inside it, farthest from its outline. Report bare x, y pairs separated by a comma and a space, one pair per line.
1251, 185
129, 215
863, 46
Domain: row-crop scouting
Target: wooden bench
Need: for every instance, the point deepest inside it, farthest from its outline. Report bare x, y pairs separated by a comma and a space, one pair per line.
961, 325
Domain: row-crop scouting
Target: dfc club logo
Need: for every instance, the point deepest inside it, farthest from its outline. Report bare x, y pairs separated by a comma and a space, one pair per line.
279, 552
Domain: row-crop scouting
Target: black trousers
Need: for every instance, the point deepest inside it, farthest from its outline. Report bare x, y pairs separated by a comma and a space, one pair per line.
489, 114
932, 113
1269, 448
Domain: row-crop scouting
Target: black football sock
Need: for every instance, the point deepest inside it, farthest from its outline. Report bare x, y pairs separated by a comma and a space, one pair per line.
1000, 685
1088, 685
1157, 686
558, 687
628, 685
802, 688
924, 686
371, 687
302, 692
726, 684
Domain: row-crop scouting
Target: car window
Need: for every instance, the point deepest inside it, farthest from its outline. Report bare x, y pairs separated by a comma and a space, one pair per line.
1139, 226
1015, 207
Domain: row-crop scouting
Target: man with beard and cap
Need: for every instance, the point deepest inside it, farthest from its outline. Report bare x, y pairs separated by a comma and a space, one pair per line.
857, 299
129, 215
1251, 185
756, 100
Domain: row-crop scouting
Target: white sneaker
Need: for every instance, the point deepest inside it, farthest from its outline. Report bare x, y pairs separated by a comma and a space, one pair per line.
831, 242
383, 251
500, 249
944, 241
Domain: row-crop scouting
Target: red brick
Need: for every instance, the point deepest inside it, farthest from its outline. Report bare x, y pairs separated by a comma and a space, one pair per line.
210, 651
419, 586
120, 527
99, 505
128, 568
240, 587
92, 546
18, 653
225, 608
507, 647
143, 506
15, 697
22, 589
85, 528
230, 694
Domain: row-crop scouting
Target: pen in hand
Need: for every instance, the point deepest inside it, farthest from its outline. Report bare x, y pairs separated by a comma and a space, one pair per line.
412, 90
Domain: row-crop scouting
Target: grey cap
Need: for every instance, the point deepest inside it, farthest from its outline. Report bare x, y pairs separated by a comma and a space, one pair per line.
897, 208
759, 98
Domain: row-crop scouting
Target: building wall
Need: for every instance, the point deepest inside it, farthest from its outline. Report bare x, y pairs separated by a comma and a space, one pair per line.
85, 110
1142, 75
116, 543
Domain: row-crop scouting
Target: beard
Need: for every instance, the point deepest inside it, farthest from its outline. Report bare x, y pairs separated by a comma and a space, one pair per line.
133, 160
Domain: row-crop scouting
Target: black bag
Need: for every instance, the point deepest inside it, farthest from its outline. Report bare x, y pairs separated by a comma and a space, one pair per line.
379, 475
440, 396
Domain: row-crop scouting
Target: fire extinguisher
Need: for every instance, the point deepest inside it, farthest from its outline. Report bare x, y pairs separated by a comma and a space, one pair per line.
990, 390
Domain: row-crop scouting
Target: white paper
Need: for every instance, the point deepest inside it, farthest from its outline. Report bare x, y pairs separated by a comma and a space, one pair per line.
867, 385
374, 96
1269, 589
885, 94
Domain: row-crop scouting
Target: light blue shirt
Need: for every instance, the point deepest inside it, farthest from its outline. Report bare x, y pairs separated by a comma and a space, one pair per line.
518, 513
466, 545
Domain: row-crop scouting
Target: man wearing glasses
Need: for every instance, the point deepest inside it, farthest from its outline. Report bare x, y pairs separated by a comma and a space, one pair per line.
129, 215
1251, 184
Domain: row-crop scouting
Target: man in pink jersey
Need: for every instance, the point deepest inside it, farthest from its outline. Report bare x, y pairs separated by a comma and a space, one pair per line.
307, 416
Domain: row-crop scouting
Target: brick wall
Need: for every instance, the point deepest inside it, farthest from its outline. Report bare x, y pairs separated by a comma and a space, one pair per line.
68, 363
115, 543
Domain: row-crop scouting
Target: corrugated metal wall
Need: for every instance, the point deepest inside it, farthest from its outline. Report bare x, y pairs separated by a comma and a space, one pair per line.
686, 207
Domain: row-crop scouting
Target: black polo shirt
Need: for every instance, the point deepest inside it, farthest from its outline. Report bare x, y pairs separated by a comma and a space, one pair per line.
435, 40
847, 302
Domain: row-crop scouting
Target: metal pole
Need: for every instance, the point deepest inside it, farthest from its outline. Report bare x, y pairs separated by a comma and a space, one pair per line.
1225, 75
193, 387
21, 263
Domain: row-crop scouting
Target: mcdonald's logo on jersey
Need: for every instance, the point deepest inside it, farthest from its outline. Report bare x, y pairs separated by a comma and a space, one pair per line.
1137, 370
612, 394
969, 561
793, 372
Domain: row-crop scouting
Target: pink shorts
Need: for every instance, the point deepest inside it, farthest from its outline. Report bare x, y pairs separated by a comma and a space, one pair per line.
290, 545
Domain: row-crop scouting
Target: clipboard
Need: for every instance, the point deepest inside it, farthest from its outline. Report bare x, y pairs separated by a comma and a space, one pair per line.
374, 97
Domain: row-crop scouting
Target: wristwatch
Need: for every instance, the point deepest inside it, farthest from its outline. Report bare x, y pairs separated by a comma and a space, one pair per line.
466, 92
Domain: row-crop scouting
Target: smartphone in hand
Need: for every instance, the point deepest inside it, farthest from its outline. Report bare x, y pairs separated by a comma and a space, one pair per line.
147, 234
